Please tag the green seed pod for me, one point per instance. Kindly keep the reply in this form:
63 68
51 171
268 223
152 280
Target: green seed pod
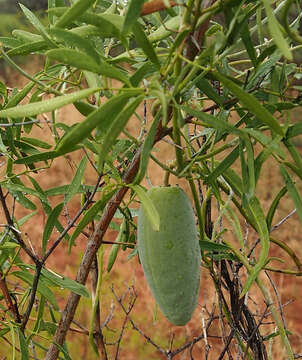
171 256
112 256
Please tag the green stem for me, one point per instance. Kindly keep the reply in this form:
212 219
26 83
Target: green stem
198 209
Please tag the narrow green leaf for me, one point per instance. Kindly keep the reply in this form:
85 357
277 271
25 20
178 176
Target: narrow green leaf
143 72
149 207
46 206
63 189
109 25
17 98
251 103
212 121
292 190
251 167
104 25
83 61
23 189
133 13
116 127
9 42
166 29
266 141
24 201
76 181
9 245
50 224
65 282
261 226
45 106
275 30
224 165
204 86
76 10
42 288
90 214
212 246
23 345
36 142
73 39
84 108
38 157
36 23
105 113
25 218
26 36
272 210
147 147
143 41
29 48
113 255
248 43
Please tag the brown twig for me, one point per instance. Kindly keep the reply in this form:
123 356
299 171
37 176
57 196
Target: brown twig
32 295
134 326
13 308
154 6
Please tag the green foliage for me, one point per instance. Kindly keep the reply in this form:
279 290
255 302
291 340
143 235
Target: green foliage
221 83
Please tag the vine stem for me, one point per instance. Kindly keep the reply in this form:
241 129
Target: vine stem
268 301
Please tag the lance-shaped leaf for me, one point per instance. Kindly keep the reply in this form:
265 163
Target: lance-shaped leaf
275 30
75 40
45 106
76 182
77 9
116 127
261 226
64 282
133 12
50 224
82 61
23 345
273 207
105 113
251 103
24 190
143 41
149 207
292 190
42 287
36 23
147 147
103 25
223 165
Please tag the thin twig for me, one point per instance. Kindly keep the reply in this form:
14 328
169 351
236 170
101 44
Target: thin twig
32 295
278 298
15 231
